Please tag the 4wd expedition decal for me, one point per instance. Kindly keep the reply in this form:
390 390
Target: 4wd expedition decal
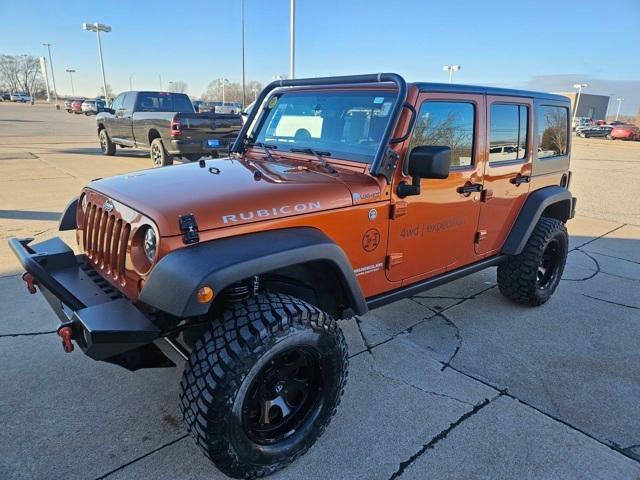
371 240
272 212
420 230
368 269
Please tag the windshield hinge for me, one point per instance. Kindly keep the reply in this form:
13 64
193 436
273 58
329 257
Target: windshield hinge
389 163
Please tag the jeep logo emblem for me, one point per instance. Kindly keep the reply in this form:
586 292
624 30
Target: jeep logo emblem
108 206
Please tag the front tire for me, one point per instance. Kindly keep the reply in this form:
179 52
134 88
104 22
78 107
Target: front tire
531 277
262 384
106 145
159 155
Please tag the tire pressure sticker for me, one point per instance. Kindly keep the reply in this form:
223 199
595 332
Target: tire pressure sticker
371 240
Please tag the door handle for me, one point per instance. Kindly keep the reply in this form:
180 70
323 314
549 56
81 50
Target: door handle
518 179
469 188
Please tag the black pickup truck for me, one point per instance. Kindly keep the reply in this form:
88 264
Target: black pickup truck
166 125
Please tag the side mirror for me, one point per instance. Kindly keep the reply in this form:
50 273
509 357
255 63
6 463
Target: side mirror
426 161
196 108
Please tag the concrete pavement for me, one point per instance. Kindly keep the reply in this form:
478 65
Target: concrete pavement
456 382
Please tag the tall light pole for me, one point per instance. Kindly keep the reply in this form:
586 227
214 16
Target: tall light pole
170 85
222 81
98 27
451 69
71 72
619 100
292 46
131 81
53 77
244 102
579 86
160 78
45 74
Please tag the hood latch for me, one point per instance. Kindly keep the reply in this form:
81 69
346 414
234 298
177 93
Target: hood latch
189 229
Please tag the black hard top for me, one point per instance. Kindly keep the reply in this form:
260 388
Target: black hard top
455 88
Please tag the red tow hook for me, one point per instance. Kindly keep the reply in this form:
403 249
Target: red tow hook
31 282
65 334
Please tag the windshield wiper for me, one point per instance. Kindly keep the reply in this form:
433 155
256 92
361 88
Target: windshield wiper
266 148
319 155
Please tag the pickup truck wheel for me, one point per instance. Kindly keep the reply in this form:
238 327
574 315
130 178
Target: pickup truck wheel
106 145
262 384
531 277
159 155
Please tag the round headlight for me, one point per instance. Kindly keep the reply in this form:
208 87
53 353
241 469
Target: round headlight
150 243
84 202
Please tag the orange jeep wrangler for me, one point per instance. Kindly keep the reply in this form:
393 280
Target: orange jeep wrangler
340 195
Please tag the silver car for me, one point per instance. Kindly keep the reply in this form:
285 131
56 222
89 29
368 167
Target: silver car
92 106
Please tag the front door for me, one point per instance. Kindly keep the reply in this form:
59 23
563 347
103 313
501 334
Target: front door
435 231
507 171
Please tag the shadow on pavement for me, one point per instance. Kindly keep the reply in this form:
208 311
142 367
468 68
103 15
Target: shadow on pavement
29 215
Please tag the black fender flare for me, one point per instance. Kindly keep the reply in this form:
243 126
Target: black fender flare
555 200
172 284
68 218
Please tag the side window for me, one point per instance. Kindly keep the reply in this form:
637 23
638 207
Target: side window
508 133
117 103
127 103
450 124
553 131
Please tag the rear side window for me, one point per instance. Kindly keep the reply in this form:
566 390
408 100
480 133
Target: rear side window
163 102
508 134
553 131
449 124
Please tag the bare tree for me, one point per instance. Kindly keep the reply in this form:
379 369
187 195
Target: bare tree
109 95
178 87
554 137
232 91
20 73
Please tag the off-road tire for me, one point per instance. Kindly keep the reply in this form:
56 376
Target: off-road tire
158 154
225 364
106 145
519 276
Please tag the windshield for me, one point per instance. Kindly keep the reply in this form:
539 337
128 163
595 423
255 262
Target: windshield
345 124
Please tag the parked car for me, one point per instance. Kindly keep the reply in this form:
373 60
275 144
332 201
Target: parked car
625 132
20 97
242 267
67 105
596 131
166 125
93 106
197 105
581 121
76 105
618 122
5 97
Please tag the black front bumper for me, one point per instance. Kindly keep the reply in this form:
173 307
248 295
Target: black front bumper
105 325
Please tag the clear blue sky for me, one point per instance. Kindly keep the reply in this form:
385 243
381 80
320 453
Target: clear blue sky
536 44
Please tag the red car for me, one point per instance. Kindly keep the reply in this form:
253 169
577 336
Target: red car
625 132
76 106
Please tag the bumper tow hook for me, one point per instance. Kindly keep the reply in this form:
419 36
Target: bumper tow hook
31 282
65 334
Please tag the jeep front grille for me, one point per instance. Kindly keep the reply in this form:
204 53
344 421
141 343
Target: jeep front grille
105 237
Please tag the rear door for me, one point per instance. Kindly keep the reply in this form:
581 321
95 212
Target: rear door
507 172
434 231
125 119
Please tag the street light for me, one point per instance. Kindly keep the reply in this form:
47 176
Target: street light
71 72
242 43
278 77
222 81
53 77
131 81
98 27
451 69
292 40
579 86
619 100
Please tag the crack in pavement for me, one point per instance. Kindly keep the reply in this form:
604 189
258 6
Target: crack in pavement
598 238
458 338
617 258
611 445
168 444
439 437
27 334
611 302
577 249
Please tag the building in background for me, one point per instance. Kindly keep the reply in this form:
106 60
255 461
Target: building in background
591 106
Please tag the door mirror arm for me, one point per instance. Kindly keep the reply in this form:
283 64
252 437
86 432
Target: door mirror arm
425 161
406 190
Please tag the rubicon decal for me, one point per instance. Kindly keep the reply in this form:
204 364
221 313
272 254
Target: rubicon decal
265 213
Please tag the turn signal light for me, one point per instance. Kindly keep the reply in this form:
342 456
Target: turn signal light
205 295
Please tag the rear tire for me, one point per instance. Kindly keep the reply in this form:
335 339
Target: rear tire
262 384
531 277
159 155
106 145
